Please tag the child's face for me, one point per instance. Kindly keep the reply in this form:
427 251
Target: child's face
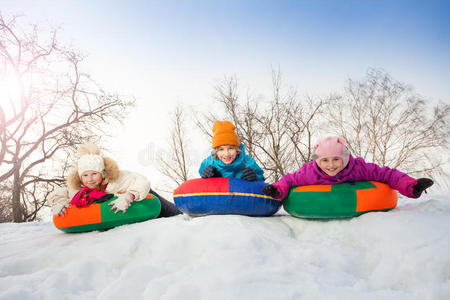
91 179
331 165
226 153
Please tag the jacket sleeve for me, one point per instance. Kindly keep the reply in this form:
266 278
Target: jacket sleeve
140 188
132 182
286 182
206 162
294 179
393 177
405 186
251 163
58 199
57 195
202 167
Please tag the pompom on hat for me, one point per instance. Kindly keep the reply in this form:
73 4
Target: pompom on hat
90 159
331 147
224 134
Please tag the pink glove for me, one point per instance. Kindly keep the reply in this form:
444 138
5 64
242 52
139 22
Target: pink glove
122 202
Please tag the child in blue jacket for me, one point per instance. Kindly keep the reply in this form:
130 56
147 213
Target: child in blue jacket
228 158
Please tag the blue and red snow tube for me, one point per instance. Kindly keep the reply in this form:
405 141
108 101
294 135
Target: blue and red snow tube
218 196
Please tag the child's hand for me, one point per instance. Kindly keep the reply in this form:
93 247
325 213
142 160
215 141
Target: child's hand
209 172
122 202
421 185
60 206
271 191
249 174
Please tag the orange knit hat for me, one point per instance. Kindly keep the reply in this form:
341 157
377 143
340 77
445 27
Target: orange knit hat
223 134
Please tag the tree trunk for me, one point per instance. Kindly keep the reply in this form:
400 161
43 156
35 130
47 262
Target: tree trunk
16 207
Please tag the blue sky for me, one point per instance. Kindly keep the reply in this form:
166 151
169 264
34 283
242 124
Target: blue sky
316 44
166 52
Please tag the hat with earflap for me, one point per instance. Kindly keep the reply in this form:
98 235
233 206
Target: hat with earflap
331 147
224 134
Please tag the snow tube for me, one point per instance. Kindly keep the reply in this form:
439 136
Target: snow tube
217 196
100 217
343 200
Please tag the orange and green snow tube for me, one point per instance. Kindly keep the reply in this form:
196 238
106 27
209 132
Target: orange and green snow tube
100 217
343 200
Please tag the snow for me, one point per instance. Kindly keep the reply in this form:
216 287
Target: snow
401 254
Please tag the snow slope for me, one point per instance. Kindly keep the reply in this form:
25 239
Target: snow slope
401 254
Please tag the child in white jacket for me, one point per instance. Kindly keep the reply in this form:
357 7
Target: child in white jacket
95 175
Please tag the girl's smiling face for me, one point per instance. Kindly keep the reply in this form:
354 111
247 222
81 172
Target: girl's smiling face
331 165
91 179
226 153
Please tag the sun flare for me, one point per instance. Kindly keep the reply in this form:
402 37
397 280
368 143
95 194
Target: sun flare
10 91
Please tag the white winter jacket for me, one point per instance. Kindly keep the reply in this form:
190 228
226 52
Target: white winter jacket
127 181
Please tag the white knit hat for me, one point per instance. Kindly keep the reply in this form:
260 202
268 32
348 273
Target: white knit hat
90 162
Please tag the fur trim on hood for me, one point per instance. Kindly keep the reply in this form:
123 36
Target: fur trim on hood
110 174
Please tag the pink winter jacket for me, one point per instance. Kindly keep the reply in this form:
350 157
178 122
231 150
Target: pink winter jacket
356 170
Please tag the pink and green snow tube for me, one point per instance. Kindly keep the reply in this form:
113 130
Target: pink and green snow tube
100 217
343 200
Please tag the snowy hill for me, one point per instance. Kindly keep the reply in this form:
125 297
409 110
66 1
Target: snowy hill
401 254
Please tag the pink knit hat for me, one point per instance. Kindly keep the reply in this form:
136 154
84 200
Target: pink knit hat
331 146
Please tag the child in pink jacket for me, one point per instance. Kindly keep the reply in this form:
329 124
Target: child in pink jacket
334 164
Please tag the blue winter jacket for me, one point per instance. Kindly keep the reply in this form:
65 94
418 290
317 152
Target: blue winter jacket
233 170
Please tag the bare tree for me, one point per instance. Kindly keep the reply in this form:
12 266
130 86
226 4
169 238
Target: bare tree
5 202
176 165
53 108
382 120
386 123
286 127
277 133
